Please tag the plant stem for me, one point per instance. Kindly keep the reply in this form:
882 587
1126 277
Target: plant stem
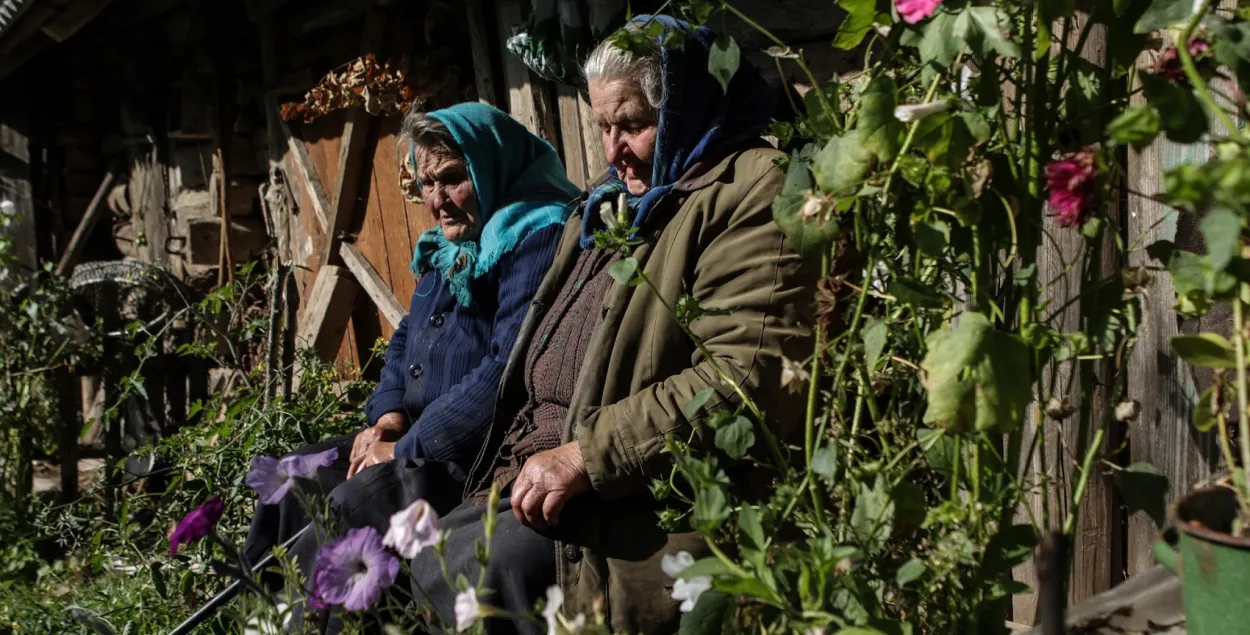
1191 69
1239 349
1087 466
911 136
813 400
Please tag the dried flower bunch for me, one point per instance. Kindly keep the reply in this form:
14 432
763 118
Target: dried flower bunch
382 89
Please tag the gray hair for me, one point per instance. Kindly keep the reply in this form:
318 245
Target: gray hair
429 133
609 61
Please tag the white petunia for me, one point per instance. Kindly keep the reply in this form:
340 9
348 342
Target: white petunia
556 624
412 529
908 113
468 611
686 590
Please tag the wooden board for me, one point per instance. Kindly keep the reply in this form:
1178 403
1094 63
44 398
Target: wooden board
373 284
529 100
479 45
15 186
572 145
327 310
592 139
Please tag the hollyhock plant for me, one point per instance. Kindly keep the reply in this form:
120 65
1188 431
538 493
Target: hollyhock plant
687 590
413 529
1169 62
914 11
354 569
1070 183
196 524
272 478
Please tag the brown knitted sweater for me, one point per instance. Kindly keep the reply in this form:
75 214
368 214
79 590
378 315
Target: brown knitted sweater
553 362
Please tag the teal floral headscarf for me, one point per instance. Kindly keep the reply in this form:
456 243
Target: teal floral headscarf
521 188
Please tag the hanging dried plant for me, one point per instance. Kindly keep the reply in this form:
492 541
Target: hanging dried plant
382 89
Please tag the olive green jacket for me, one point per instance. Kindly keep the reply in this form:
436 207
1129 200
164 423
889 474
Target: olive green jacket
714 238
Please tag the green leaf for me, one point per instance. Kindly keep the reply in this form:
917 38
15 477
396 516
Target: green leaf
877 129
856 25
932 236
1182 116
873 517
914 292
858 630
1137 126
986 32
825 462
746 586
842 164
977 377
1204 415
1144 488
909 572
1207 350
873 332
941 39
909 507
736 438
751 527
710 567
1221 231
1009 547
810 236
692 408
710 508
712 614
1024 275
1162 14
723 60
623 270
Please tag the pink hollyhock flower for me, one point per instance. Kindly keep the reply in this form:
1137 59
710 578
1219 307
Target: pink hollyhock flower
196 524
1169 62
914 11
1070 183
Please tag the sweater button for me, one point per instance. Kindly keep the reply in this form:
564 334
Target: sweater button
572 553
437 320
415 370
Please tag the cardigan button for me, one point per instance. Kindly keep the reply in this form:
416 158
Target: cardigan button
437 320
416 370
572 553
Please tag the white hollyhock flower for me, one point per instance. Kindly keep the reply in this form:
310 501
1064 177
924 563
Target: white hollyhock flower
412 529
686 590
556 624
468 611
908 113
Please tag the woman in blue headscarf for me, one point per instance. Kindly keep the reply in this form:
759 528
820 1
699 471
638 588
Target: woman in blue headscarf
501 200
603 375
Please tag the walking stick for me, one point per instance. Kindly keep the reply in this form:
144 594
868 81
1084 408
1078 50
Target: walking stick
219 600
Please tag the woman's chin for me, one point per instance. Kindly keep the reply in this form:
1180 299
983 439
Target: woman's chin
455 233
636 187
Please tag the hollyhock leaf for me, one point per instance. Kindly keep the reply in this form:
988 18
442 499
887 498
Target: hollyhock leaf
723 60
919 294
1182 116
976 377
909 572
986 32
858 22
751 526
840 167
695 405
1204 415
1161 14
624 270
878 130
810 235
1144 488
825 462
941 39
932 236
736 438
1207 350
1221 232
873 516
1137 126
873 333
710 508
1010 547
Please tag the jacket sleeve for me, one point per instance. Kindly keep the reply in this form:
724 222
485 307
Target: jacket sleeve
453 426
389 394
750 269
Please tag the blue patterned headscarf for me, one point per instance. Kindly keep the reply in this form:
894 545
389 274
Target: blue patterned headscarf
698 121
521 188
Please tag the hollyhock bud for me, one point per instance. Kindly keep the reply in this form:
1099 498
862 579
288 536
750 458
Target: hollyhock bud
1070 183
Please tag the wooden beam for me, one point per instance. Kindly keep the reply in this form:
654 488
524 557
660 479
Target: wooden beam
596 160
330 304
79 240
479 46
373 284
529 100
65 24
304 169
571 135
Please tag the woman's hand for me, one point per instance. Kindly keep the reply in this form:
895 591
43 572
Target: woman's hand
379 452
547 481
389 427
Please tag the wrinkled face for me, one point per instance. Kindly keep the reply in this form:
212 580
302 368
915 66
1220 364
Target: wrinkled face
628 124
448 193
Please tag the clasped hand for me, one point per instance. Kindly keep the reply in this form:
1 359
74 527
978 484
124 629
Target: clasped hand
376 444
547 481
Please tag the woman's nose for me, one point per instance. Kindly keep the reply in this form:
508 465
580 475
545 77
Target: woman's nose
434 198
614 147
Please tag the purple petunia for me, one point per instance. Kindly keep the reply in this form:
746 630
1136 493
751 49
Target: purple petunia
196 524
353 570
272 478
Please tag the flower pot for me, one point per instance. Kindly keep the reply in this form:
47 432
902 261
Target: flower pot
1214 566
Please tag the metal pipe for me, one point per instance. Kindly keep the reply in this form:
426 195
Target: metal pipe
217 601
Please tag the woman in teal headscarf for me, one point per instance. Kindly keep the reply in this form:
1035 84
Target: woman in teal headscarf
501 199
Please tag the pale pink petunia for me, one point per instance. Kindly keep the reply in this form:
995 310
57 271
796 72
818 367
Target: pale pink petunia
914 11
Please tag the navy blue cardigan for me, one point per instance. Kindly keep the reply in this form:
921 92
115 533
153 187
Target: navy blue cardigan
444 362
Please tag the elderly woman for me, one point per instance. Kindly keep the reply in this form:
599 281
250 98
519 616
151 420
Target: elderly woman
501 200
601 371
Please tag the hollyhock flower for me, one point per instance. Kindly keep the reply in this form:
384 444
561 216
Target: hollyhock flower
353 570
1070 183
914 11
468 610
687 590
556 624
272 478
196 524
1169 62
413 529
908 113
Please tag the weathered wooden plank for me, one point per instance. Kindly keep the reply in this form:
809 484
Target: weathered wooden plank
305 173
402 221
78 241
329 305
571 142
479 46
73 17
373 284
15 185
592 139
529 100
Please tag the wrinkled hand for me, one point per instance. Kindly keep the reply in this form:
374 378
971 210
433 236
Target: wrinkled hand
379 452
389 427
547 481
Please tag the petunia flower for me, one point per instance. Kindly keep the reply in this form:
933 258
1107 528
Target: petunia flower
468 610
353 570
1070 182
196 524
556 624
913 11
908 113
412 529
273 478
687 590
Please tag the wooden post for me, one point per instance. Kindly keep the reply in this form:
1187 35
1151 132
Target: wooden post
330 303
571 135
596 161
373 284
479 45
529 100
